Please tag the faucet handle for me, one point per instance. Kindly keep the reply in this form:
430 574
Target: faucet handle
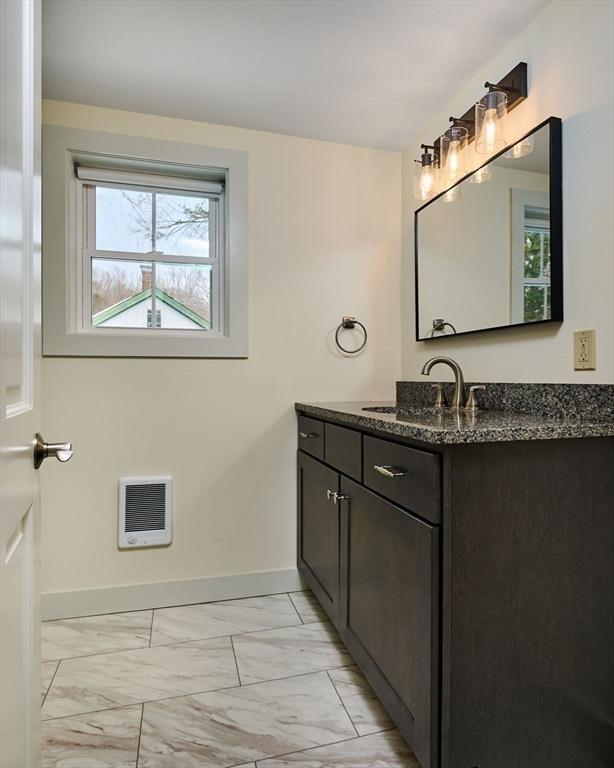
440 400
472 403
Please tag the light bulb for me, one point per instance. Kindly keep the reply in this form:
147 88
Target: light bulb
490 129
453 157
426 184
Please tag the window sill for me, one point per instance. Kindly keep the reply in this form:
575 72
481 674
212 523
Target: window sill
122 343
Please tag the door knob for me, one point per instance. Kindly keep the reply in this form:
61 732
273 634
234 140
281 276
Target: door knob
42 450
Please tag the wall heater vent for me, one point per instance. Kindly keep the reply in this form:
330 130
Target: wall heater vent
145 511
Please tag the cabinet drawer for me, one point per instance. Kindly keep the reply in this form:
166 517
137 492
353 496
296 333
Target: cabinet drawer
406 475
343 450
311 436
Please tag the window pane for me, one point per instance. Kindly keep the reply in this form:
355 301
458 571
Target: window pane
182 225
183 294
534 309
123 220
121 293
532 253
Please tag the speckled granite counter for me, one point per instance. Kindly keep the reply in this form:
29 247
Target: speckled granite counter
446 427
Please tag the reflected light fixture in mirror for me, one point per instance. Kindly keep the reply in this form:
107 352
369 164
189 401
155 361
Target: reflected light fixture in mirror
453 145
481 175
452 194
490 114
521 148
425 178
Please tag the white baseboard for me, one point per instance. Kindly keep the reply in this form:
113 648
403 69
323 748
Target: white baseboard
161 594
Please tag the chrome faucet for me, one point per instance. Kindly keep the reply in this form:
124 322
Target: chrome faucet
458 400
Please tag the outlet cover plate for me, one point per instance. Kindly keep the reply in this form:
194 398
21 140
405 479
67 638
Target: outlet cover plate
584 350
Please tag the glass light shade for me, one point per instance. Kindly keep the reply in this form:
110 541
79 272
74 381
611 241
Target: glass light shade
481 175
453 147
490 114
425 179
521 148
452 194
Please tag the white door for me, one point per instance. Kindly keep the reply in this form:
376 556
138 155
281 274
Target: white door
19 381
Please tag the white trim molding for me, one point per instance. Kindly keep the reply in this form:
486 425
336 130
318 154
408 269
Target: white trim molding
63 336
163 594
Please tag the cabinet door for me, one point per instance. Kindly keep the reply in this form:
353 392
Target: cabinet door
318 530
390 575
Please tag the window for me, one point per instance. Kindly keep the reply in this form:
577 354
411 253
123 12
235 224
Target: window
144 247
150 248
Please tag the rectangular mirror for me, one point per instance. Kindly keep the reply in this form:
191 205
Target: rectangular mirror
489 254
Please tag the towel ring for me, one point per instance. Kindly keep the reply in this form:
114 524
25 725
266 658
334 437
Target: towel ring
440 325
350 323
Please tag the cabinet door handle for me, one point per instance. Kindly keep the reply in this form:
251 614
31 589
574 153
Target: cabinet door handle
330 494
389 471
307 435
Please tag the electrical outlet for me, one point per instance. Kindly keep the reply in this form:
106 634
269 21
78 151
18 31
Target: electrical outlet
585 358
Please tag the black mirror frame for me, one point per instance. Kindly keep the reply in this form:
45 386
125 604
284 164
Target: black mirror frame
556 234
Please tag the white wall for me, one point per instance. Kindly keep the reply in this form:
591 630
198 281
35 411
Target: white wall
569 52
325 233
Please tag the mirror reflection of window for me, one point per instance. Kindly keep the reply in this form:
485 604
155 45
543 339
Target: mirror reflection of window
536 283
530 256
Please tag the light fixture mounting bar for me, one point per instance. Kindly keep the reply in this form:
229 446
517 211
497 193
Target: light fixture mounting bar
514 84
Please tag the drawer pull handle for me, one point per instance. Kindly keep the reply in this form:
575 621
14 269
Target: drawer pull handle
389 471
307 435
336 497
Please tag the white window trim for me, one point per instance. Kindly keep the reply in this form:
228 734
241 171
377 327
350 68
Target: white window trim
67 329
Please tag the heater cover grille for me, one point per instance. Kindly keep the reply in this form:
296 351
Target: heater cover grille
145 508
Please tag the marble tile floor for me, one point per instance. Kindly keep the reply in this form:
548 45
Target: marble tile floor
261 682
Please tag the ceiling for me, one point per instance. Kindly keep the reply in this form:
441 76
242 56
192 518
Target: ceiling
355 71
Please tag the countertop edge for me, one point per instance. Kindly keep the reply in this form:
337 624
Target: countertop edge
566 430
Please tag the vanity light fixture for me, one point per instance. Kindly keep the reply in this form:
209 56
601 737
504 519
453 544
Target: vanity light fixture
490 112
425 185
484 122
453 145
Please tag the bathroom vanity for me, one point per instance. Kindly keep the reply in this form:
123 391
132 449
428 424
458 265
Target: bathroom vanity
467 562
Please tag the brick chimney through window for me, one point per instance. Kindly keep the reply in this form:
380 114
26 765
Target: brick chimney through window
145 277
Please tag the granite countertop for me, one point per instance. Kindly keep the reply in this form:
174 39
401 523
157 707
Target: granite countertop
446 427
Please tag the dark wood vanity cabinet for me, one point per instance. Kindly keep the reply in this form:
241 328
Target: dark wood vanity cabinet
473 586
374 567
